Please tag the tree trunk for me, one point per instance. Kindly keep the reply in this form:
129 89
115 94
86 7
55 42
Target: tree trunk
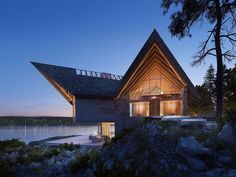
219 74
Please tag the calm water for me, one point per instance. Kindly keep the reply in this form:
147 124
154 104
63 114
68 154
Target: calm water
35 133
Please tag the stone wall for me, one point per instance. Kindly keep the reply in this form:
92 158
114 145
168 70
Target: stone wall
98 110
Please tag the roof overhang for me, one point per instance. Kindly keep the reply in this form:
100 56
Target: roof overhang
66 94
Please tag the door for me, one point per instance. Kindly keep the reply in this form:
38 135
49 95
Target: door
154 107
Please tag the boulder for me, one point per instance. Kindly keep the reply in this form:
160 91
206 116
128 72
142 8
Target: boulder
225 160
196 164
189 146
182 167
219 172
226 134
152 130
69 153
108 163
51 161
13 155
58 164
231 173
89 173
35 165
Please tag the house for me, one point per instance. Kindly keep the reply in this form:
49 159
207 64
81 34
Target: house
154 85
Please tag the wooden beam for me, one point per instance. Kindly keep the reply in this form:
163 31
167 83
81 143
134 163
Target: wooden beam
148 67
145 64
61 90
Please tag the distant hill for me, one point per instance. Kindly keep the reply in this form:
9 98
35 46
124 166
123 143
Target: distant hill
40 120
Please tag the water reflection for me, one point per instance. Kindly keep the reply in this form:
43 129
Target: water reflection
35 133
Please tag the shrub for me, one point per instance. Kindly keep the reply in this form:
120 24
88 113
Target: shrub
22 159
180 132
81 161
6 169
121 135
36 154
11 145
101 170
69 147
117 169
94 156
219 145
204 136
147 120
231 116
52 152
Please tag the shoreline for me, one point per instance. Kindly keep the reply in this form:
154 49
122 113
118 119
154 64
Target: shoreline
53 138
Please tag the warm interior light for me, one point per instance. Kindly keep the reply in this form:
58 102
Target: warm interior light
141 108
153 97
108 129
170 107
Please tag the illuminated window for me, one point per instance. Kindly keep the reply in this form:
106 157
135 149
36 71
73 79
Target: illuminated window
139 109
107 129
170 108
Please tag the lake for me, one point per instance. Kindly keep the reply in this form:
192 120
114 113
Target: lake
35 133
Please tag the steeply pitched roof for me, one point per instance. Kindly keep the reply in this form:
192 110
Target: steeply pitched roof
69 83
157 40
75 84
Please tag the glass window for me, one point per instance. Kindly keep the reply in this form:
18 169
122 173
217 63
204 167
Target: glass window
139 109
170 108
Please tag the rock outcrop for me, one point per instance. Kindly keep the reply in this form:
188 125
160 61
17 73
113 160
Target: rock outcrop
154 149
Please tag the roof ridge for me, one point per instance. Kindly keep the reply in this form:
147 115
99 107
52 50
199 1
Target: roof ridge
46 64
84 72
154 38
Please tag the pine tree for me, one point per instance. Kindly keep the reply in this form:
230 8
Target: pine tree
202 105
210 83
230 89
220 15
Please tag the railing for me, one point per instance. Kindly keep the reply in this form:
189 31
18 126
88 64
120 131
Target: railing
98 74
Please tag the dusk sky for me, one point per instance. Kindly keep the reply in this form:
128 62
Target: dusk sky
98 35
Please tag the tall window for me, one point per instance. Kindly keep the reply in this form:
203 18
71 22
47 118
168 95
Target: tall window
155 84
170 108
139 109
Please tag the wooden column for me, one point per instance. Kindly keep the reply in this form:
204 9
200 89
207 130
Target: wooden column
158 106
185 102
74 108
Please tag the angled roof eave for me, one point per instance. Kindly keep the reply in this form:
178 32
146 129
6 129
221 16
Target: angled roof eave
155 38
70 83
59 88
